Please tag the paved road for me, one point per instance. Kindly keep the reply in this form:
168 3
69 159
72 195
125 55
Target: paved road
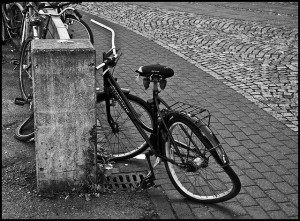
263 149
251 48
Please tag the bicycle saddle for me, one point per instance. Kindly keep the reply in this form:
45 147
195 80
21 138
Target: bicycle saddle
148 70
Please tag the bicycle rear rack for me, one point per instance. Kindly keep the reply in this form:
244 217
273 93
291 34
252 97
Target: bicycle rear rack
193 111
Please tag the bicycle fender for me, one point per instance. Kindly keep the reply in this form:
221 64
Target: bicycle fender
217 150
19 5
207 133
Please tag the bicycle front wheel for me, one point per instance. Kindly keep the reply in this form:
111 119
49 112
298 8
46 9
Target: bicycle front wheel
122 139
25 131
25 70
78 29
202 179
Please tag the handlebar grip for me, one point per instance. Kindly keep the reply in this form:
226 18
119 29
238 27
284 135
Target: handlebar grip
108 61
63 4
51 5
42 5
77 14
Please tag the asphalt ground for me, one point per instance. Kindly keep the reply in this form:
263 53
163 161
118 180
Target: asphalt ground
263 149
224 78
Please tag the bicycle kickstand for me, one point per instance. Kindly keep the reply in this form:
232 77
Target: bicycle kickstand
148 181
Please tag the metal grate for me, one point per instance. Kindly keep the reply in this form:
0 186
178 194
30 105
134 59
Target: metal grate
124 180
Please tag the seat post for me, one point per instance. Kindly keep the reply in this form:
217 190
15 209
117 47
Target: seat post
155 87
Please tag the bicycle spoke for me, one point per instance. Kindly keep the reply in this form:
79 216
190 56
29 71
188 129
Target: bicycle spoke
124 141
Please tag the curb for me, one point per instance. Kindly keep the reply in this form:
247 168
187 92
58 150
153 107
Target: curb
156 193
163 207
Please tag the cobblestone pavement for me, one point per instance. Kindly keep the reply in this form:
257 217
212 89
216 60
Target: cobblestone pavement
262 150
258 60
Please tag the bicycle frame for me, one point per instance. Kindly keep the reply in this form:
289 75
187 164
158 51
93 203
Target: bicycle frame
159 127
160 132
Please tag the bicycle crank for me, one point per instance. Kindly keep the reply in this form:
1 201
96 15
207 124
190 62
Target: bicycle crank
148 181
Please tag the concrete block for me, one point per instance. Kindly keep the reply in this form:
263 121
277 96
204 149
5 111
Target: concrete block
64 109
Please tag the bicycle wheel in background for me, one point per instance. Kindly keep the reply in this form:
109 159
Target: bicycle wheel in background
25 70
16 18
25 131
78 29
4 34
204 180
126 142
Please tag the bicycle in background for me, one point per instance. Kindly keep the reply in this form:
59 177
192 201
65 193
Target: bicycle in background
11 22
36 26
36 20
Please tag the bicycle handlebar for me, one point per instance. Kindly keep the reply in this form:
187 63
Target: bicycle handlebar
113 47
41 6
54 14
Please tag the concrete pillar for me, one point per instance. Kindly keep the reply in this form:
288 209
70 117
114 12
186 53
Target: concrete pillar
64 110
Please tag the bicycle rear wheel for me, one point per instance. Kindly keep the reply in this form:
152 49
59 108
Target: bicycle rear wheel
203 180
78 29
125 142
25 131
25 70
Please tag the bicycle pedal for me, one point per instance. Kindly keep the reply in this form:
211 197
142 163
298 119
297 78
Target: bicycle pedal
31 139
101 159
16 62
20 101
146 185
147 182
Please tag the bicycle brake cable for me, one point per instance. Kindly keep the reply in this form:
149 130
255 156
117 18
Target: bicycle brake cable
116 61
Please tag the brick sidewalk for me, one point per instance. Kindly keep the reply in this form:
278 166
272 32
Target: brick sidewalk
262 150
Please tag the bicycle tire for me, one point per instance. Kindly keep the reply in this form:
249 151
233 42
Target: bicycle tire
4 34
25 70
25 131
77 28
209 182
127 142
5 12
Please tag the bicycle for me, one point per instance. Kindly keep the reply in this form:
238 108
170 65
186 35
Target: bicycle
11 22
195 161
34 27
70 17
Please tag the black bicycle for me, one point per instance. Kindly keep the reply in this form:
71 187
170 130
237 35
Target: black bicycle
194 159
